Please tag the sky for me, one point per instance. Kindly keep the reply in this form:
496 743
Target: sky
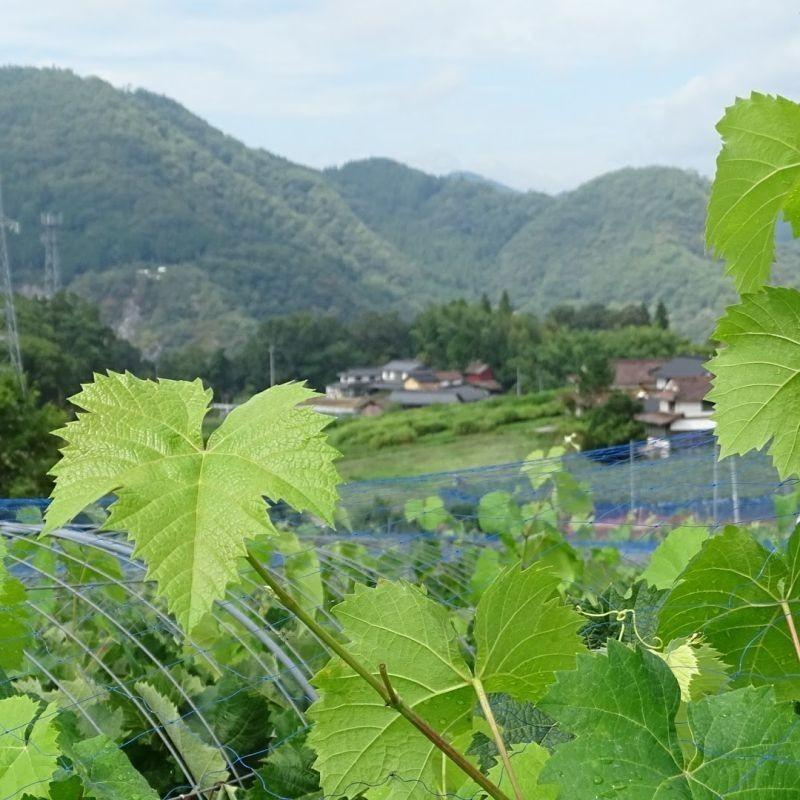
536 95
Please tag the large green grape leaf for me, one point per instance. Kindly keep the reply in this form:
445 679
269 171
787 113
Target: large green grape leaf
621 708
758 170
190 507
756 389
360 742
735 593
524 633
106 772
673 554
28 748
205 763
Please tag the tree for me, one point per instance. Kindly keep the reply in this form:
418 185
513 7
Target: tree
64 342
612 422
661 316
595 374
28 449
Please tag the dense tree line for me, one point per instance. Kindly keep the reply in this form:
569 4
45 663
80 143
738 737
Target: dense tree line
541 353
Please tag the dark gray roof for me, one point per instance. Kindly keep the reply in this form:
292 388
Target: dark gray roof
404 398
403 365
469 394
455 394
682 367
362 371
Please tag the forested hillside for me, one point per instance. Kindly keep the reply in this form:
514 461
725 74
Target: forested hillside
142 182
186 236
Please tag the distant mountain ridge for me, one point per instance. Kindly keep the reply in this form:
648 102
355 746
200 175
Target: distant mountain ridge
242 234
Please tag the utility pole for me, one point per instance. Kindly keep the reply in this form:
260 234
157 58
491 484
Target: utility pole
52 266
12 336
271 364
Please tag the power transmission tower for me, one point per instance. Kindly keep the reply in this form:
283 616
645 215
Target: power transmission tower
12 337
52 266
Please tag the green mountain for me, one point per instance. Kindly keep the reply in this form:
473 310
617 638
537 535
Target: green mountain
183 234
142 184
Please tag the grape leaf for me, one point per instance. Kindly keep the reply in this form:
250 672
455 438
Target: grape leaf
622 706
288 772
487 568
205 763
15 630
524 633
28 748
106 772
758 170
520 723
143 441
359 741
696 666
756 388
429 513
672 555
735 593
527 760
499 514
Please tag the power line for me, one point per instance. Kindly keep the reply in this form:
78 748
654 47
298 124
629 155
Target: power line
52 266
12 335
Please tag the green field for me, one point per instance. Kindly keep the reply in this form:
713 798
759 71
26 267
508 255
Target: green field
440 438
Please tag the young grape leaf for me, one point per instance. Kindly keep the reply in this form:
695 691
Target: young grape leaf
622 706
736 593
28 748
142 440
359 741
499 514
429 513
524 633
206 764
672 555
696 666
756 390
528 760
106 772
758 170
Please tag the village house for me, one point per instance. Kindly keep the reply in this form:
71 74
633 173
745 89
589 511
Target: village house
453 394
678 404
480 374
635 376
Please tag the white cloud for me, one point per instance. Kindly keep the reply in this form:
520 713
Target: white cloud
542 94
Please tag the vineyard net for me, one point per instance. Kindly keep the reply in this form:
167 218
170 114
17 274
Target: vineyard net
100 646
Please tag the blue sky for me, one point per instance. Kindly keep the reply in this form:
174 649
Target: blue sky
538 95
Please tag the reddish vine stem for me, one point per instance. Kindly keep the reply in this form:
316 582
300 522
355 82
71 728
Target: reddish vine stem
382 686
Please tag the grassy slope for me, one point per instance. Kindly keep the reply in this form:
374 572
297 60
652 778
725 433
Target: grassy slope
436 439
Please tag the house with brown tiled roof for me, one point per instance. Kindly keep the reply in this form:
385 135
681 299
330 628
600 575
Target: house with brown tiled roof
635 375
679 406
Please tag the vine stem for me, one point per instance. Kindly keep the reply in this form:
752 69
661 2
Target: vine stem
497 736
381 685
787 613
